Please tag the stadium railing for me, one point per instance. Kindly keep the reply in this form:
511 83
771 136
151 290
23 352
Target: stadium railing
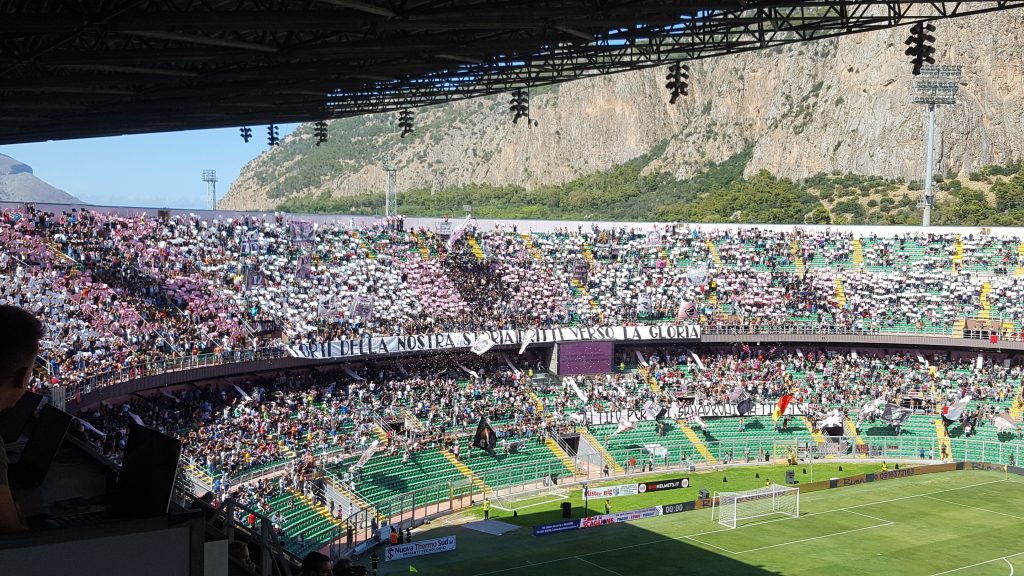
415 507
174 365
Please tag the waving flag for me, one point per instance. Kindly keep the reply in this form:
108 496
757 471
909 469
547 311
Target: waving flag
624 424
780 408
1004 421
687 311
367 454
481 345
459 232
893 414
528 339
952 413
485 438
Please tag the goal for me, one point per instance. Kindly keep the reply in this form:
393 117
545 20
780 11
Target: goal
733 507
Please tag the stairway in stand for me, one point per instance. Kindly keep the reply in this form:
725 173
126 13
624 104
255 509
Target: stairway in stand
1019 271
697 442
465 471
587 254
599 448
819 438
474 246
1018 403
715 257
424 250
984 304
850 429
366 246
561 455
943 436
840 293
958 256
530 247
585 294
645 372
958 327
321 510
798 261
858 254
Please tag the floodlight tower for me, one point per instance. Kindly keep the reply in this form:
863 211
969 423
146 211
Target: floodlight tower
210 177
935 86
390 194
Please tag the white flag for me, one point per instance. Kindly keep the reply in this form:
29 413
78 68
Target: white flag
624 424
482 344
136 418
367 454
528 339
242 393
468 371
353 374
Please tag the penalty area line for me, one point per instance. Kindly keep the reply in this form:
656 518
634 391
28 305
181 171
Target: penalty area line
598 566
691 536
1004 558
883 525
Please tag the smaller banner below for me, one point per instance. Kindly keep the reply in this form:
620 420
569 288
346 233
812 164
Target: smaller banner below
422 548
545 529
673 484
613 491
620 517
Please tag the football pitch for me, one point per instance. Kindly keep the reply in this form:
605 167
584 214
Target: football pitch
963 523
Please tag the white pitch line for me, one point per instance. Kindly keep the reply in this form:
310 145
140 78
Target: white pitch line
607 569
710 545
661 540
976 507
1006 558
867 516
815 538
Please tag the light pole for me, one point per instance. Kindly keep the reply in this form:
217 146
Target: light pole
936 85
210 177
390 194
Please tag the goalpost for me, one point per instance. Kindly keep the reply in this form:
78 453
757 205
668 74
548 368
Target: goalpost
733 507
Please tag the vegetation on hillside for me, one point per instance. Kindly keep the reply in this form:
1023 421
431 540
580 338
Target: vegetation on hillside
717 193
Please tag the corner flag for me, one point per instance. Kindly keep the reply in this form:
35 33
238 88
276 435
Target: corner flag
780 408
413 570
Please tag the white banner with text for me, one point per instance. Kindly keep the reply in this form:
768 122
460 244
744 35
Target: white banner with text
384 345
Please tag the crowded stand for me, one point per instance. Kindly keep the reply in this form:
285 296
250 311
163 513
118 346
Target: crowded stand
125 290
308 448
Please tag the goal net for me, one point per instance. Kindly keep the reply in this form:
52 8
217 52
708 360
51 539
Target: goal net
733 507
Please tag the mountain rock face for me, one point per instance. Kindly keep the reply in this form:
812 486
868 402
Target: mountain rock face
831 105
19 184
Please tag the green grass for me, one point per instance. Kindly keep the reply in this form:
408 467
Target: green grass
970 522
729 480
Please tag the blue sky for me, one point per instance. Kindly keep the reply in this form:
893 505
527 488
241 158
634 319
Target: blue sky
152 170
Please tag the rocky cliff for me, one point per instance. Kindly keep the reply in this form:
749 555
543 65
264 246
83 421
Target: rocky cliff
832 105
19 184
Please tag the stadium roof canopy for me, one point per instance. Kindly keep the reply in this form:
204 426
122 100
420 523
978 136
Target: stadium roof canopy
81 68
